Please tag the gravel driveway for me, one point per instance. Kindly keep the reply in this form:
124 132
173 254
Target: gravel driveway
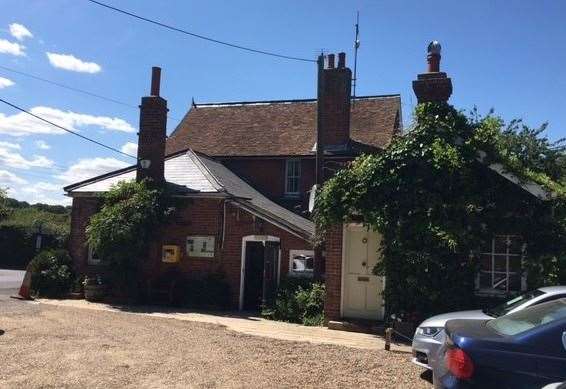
49 346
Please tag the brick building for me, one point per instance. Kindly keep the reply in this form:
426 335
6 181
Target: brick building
246 171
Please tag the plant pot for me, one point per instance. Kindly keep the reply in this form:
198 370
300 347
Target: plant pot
95 292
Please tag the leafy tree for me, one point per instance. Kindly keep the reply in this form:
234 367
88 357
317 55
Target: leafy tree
3 207
436 203
121 231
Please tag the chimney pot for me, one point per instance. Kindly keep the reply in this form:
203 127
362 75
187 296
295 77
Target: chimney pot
341 60
155 80
330 61
433 86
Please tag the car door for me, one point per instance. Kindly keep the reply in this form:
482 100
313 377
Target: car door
551 358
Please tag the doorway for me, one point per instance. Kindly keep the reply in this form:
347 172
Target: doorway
260 271
253 285
361 294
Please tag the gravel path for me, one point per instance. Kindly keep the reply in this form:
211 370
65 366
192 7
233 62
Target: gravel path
47 346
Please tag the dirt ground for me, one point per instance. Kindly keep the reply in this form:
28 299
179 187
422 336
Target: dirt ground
48 346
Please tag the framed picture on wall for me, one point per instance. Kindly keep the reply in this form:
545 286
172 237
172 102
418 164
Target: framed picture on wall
200 246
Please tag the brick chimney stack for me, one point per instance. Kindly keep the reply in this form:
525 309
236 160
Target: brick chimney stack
152 134
334 100
433 86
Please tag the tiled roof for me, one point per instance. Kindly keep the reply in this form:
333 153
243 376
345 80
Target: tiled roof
278 128
197 174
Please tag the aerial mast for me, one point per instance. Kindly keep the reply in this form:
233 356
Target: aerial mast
356 46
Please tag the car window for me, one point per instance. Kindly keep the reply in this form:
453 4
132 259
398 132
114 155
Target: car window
508 306
551 298
526 319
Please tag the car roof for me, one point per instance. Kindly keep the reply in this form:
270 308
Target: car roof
553 289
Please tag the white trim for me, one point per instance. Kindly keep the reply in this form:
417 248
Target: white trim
254 238
305 274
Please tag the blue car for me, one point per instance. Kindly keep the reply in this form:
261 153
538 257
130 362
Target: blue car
525 349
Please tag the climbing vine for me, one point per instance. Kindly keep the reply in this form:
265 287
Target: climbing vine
121 230
433 197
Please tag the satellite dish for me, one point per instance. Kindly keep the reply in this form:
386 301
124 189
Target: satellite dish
312 197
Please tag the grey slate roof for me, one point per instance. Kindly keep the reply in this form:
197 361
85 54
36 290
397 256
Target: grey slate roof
197 174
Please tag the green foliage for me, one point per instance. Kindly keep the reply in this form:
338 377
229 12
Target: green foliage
33 218
3 206
436 205
126 223
298 300
51 273
21 223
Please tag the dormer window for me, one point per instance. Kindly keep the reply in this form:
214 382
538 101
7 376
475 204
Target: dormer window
292 177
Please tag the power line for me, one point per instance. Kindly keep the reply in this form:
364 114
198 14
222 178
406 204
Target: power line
71 88
176 29
66 129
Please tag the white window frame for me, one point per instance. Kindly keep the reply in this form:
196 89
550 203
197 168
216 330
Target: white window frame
500 256
92 260
288 192
306 273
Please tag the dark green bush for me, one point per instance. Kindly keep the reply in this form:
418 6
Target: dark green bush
51 273
298 300
208 291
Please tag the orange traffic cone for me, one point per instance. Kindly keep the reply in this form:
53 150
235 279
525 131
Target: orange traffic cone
25 289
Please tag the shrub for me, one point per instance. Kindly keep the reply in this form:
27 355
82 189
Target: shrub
51 273
298 300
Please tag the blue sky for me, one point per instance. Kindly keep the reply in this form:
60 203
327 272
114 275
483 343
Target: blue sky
507 55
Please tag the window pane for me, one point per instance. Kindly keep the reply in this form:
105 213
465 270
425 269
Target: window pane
293 170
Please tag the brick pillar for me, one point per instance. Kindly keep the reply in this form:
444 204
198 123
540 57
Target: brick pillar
152 134
333 273
433 86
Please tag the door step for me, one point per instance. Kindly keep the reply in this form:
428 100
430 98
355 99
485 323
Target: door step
364 326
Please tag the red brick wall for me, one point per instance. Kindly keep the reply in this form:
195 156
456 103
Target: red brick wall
83 208
333 273
197 217
267 175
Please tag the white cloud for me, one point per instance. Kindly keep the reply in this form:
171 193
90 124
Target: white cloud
5 82
20 32
41 192
8 178
16 160
13 48
22 124
72 63
41 144
130 148
10 145
89 168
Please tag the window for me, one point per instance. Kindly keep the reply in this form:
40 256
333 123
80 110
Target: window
500 265
93 258
292 177
301 262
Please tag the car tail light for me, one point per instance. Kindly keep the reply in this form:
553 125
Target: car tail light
459 363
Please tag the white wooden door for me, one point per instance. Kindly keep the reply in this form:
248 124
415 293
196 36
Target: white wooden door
362 289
